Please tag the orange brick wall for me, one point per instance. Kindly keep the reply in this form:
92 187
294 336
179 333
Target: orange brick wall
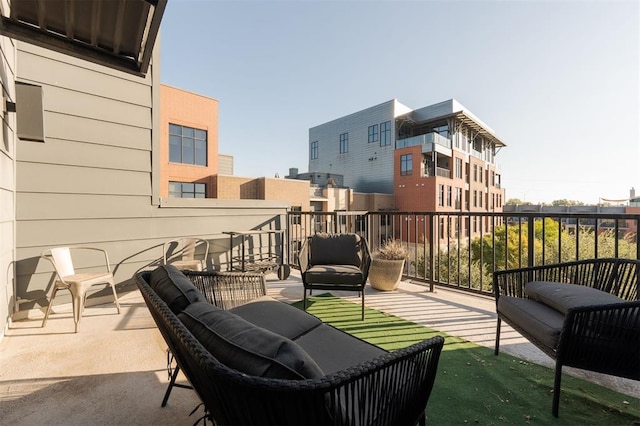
193 110
296 192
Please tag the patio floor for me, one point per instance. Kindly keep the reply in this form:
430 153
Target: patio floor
113 371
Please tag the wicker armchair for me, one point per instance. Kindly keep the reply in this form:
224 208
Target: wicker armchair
391 389
226 290
334 262
603 337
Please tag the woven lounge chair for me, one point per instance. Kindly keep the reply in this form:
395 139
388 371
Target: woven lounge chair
338 262
583 314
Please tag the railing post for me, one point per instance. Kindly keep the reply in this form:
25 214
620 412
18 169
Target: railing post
431 253
531 240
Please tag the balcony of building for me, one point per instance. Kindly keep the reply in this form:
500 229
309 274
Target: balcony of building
113 371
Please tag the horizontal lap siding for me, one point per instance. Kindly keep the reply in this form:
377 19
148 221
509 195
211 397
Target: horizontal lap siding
90 183
7 181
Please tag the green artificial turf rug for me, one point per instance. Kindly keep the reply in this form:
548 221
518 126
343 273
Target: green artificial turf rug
473 386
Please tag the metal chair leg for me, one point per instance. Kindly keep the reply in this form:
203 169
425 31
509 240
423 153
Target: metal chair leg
556 390
497 348
46 314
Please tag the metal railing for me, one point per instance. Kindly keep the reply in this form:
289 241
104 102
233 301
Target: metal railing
462 249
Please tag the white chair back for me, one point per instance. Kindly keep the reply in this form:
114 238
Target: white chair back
62 261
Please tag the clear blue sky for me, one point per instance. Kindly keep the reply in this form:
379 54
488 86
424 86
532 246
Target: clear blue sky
558 81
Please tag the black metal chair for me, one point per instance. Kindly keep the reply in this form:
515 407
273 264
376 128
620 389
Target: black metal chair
597 332
334 262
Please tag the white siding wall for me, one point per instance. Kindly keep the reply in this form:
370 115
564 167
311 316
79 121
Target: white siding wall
360 173
7 183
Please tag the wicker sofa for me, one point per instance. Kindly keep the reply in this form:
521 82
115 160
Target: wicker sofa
583 314
267 362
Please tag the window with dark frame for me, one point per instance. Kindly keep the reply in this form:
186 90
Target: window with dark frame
313 150
385 133
187 190
187 145
344 143
373 133
406 164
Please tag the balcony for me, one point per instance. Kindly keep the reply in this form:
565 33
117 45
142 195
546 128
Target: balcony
113 371
429 142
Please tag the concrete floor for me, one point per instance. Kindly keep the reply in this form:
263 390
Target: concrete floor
113 371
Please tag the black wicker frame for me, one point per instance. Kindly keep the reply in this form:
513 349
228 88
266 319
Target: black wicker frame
303 263
225 290
589 332
392 389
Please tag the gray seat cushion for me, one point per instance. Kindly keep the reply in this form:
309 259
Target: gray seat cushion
335 249
280 318
541 321
246 347
334 350
563 297
174 288
334 274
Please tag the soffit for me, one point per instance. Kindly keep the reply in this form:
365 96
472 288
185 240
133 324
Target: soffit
119 34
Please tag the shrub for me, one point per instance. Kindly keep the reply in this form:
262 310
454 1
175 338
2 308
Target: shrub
392 250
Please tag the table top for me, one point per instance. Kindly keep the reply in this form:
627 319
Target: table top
255 232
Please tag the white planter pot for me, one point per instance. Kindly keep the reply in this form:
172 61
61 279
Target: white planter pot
385 274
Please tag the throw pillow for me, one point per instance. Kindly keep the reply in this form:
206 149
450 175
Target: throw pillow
174 288
335 249
245 347
563 297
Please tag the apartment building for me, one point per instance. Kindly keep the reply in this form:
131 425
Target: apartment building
188 143
439 158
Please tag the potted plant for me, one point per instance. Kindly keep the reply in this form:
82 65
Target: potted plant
387 265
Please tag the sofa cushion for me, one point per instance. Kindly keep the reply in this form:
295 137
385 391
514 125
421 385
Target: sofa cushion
539 320
334 274
174 288
246 347
563 297
335 249
280 318
334 350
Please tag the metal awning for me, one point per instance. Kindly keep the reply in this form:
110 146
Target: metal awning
119 34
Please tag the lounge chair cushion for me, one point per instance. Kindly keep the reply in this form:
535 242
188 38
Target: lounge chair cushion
335 249
280 318
563 297
174 288
540 320
246 347
334 274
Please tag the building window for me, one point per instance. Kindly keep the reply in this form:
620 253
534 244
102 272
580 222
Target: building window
441 195
385 133
458 198
373 133
475 172
313 150
475 198
458 170
480 173
449 196
406 164
187 145
187 190
344 143
296 216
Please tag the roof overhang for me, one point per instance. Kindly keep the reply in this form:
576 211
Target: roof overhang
119 34
470 122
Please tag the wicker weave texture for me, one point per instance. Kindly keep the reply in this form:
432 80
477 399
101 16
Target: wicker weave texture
391 389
